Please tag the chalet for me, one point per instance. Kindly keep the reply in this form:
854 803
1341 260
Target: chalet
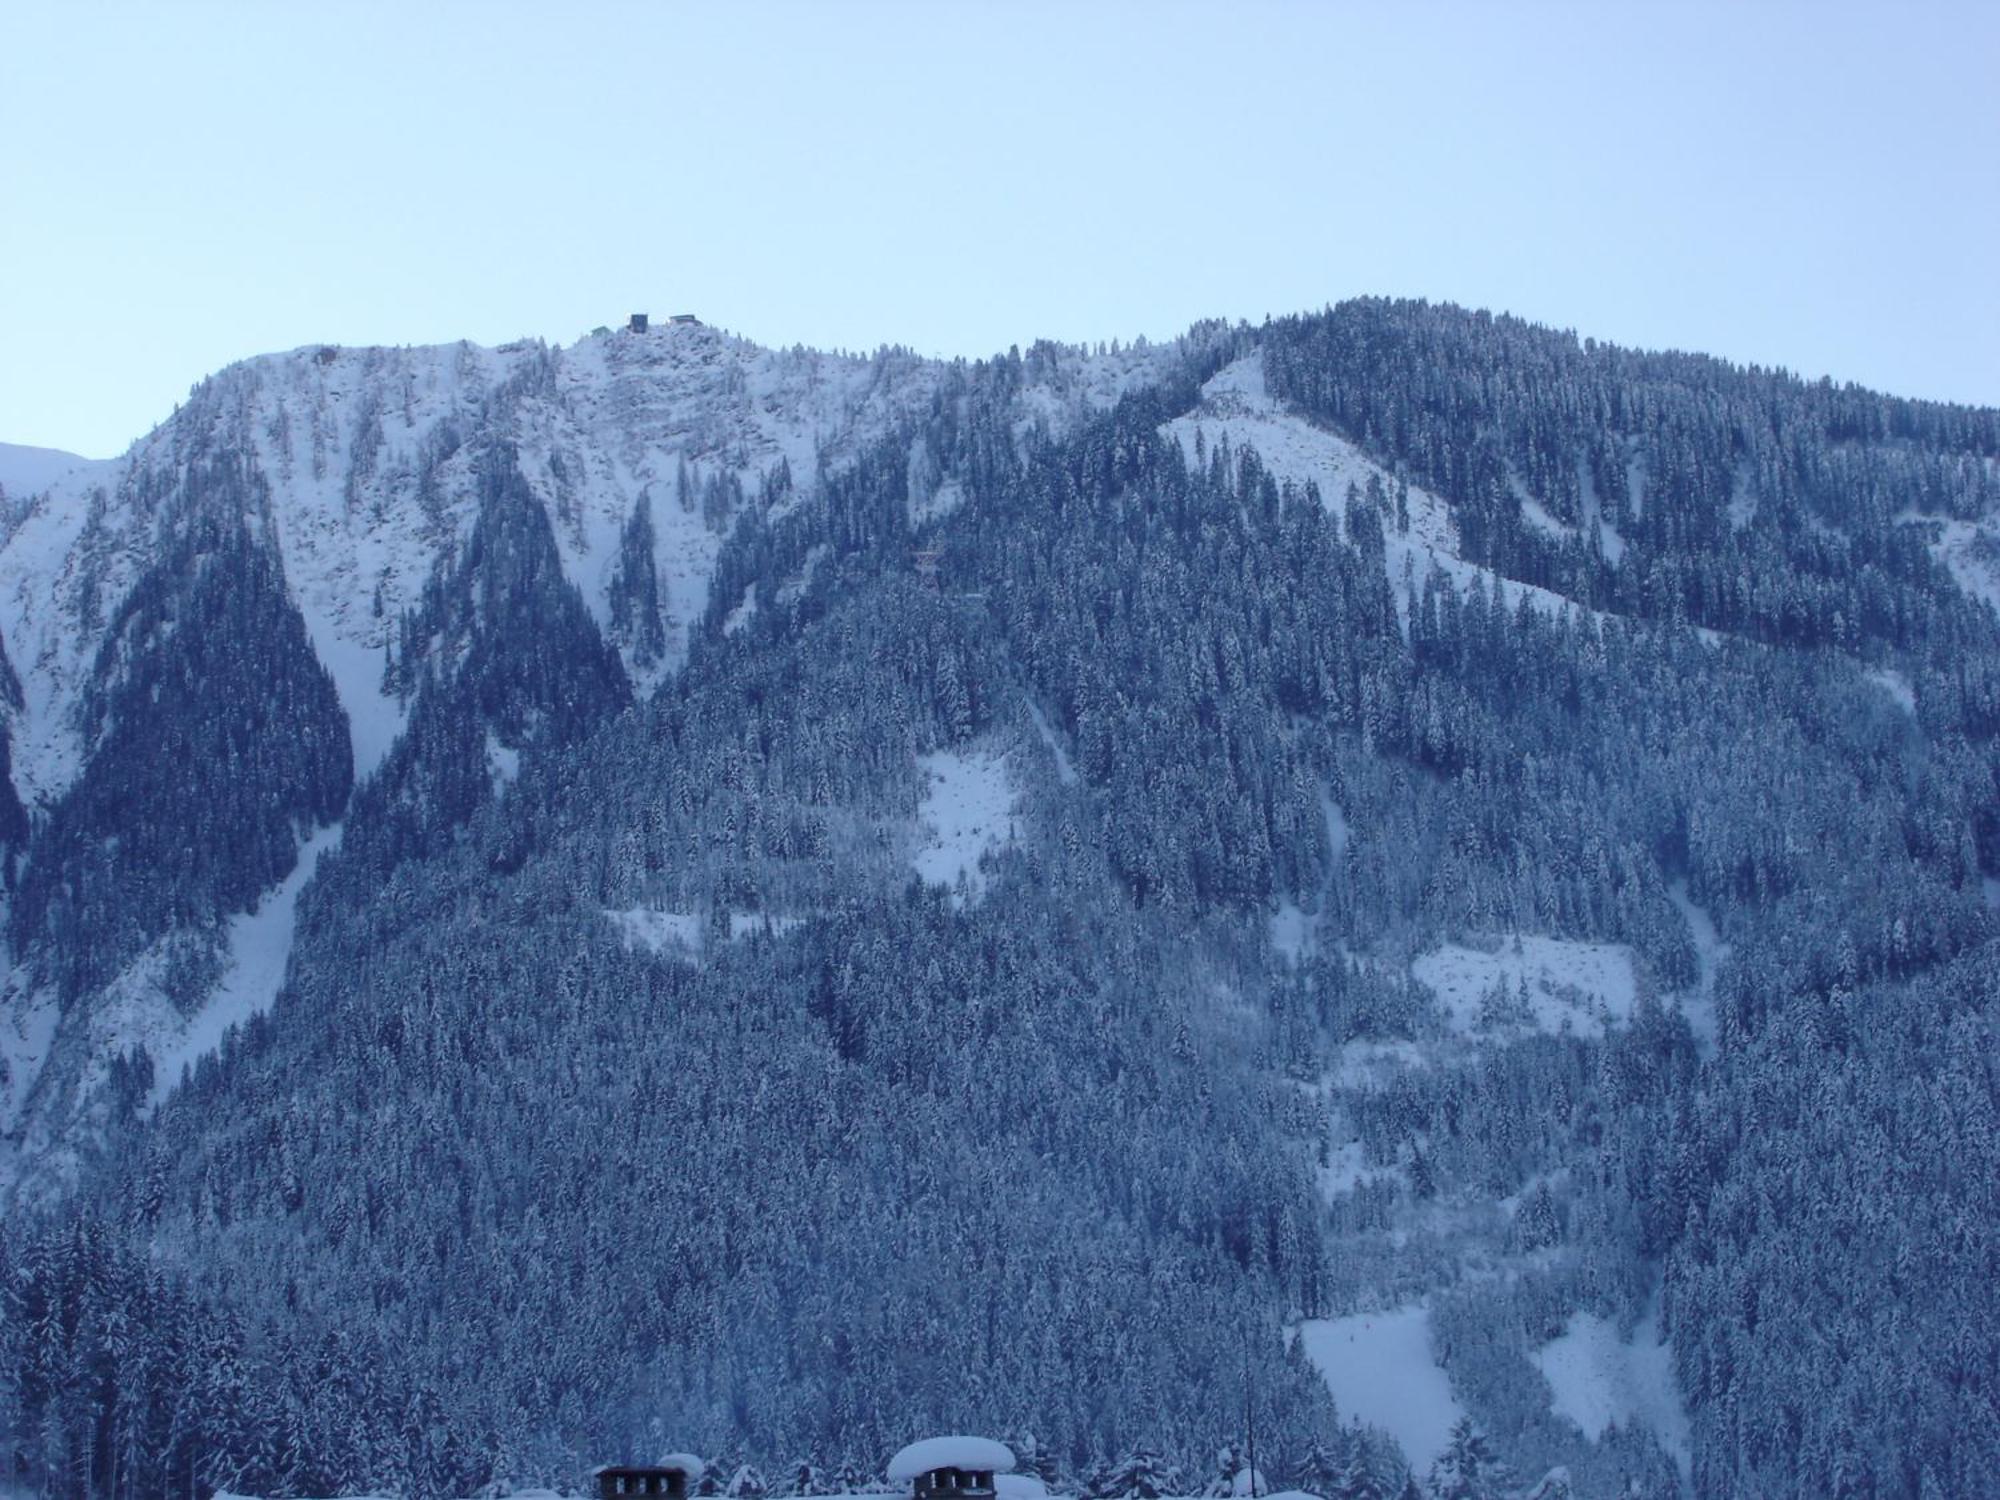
672 1478
951 1468
687 320
639 323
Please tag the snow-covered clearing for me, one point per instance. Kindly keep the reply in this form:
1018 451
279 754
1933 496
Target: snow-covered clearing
1571 986
1596 1378
966 813
1970 552
1709 952
1374 1065
1897 686
1294 932
743 613
1065 772
1537 515
1381 1371
660 931
683 934
1348 1169
503 761
1236 408
260 945
27 1030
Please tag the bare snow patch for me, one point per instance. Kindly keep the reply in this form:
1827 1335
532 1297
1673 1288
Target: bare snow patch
1236 409
1537 515
744 924
1292 931
1597 1379
1552 984
685 934
1375 1064
1065 772
1347 1168
1381 1371
1970 552
27 1031
260 945
966 814
1897 686
675 932
948 496
744 612
1709 952
503 762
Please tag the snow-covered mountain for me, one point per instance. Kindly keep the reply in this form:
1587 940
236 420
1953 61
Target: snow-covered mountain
671 888
360 468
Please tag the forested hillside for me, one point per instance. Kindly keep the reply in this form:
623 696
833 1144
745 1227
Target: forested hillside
1039 896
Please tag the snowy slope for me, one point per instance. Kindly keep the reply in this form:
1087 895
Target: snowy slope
1597 1378
369 456
26 471
365 467
966 814
1381 1370
1236 409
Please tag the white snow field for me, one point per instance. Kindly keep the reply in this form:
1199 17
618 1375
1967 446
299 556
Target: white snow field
684 934
1380 1369
260 944
1597 1378
26 470
1236 408
966 813
1709 952
1573 986
1970 552
1896 685
676 933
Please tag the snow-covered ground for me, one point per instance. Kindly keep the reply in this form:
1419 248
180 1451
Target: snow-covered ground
684 934
1065 772
1709 952
966 813
26 470
1347 1169
672 932
1381 1371
1295 932
1570 986
260 945
138 1009
1236 408
1970 552
27 1030
1597 1378
1896 685
1373 1064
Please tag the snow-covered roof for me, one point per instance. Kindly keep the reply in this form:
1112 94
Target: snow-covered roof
950 1453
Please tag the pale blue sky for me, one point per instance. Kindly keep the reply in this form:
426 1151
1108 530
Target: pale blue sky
1816 186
